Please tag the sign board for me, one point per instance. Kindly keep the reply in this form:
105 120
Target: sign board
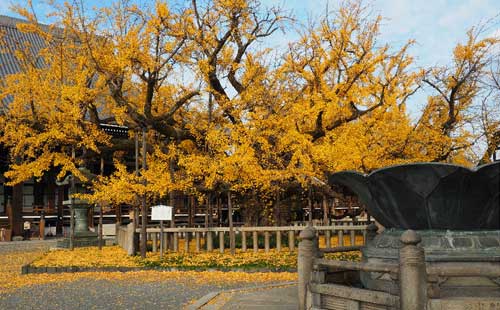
161 213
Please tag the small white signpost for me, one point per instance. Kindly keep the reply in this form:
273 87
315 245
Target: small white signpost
161 213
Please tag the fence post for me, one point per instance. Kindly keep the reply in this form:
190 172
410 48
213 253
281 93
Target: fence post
176 242
255 242
210 242
328 238
186 241
197 240
291 240
278 241
154 241
305 263
412 273
221 241
266 241
243 241
340 237
132 239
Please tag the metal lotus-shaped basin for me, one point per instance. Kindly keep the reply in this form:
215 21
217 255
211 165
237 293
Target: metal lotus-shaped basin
429 195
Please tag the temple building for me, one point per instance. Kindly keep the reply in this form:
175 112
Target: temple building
33 200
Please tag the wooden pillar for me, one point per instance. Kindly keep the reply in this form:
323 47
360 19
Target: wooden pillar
340 235
42 226
255 241
353 237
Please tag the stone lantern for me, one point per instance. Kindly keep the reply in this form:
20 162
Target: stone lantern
83 236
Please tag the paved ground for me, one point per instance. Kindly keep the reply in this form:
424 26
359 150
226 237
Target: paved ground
85 293
276 298
101 294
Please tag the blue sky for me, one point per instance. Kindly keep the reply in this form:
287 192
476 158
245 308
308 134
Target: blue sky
437 25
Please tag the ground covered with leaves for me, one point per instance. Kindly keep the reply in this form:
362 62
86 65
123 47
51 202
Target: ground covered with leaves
111 290
114 256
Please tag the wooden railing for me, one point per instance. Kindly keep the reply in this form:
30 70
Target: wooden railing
183 238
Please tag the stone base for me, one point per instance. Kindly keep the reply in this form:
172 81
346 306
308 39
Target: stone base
464 304
82 239
440 247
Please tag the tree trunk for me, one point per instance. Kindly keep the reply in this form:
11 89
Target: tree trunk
232 245
100 210
144 211
72 210
135 218
219 211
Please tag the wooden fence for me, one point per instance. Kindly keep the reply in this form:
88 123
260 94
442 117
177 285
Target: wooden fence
181 238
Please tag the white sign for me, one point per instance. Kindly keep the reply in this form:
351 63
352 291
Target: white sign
161 213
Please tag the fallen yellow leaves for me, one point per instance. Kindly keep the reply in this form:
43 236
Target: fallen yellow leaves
112 256
11 279
273 260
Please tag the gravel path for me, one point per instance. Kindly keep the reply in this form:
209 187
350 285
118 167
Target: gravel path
101 294
77 292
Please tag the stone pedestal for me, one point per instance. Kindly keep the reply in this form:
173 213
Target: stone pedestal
83 236
441 247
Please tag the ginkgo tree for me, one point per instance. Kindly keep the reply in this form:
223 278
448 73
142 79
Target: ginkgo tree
219 112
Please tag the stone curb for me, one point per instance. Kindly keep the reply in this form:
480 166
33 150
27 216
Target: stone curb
28 269
213 295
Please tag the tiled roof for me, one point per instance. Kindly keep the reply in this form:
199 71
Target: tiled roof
13 39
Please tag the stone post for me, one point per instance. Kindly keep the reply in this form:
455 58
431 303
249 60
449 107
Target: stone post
176 241
186 242
305 263
221 242
243 241
210 244
155 242
255 242
266 241
291 240
412 273
278 240
131 238
197 241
